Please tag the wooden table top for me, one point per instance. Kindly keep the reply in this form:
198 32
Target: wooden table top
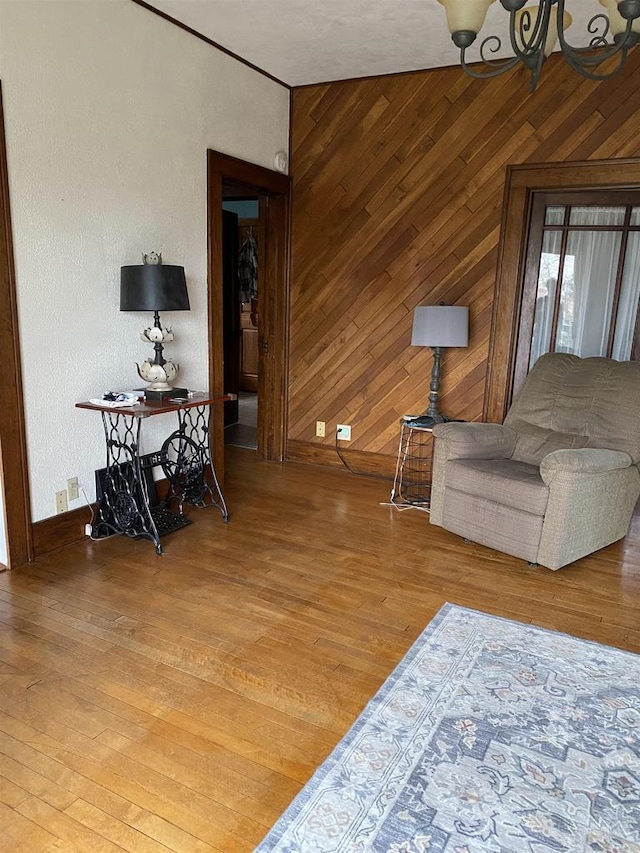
148 408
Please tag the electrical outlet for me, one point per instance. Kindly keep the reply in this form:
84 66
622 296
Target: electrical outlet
343 432
320 429
73 489
61 501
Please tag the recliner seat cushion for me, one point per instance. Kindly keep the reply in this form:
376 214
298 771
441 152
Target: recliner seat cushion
503 481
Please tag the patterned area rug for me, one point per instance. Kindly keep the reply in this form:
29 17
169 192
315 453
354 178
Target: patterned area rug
489 737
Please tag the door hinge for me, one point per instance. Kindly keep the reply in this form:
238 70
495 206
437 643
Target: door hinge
264 346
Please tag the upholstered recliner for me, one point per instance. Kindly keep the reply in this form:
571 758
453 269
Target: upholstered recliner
559 479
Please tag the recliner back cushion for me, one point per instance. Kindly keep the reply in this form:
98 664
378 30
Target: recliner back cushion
571 402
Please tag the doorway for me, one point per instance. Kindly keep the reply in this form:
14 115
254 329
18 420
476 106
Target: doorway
242 245
517 283
229 178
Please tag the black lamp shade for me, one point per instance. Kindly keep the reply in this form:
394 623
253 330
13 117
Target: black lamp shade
153 287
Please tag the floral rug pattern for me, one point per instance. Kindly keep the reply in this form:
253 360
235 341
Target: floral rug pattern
489 737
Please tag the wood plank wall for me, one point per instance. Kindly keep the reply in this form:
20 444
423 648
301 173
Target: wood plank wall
397 196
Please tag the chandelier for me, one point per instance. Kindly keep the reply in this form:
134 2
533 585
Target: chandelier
534 32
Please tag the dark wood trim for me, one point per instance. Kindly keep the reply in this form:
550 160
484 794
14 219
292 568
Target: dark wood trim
528 306
591 198
410 73
557 297
13 444
362 461
214 310
206 39
275 187
623 173
273 329
521 183
364 78
60 530
615 307
504 322
244 173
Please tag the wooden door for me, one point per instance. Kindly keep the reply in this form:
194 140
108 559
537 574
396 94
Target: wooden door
13 450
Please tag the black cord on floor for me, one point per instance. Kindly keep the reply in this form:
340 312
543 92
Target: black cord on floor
359 473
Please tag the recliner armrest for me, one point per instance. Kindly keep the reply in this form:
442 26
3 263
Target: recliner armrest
476 441
585 460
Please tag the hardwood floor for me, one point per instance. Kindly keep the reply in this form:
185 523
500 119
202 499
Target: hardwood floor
178 703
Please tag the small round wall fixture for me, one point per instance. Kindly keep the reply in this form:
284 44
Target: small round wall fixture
281 161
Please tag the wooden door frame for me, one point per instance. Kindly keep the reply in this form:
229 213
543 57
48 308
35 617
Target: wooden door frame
13 444
224 169
521 184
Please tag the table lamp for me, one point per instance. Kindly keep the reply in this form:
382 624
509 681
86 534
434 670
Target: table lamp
438 327
155 287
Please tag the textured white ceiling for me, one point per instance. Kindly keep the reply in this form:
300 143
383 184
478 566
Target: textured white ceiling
314 41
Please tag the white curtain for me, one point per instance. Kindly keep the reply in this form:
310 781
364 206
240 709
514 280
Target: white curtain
546 296
587 296
629 296
587 287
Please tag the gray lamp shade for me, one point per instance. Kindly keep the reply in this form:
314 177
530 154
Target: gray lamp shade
440 326
153 287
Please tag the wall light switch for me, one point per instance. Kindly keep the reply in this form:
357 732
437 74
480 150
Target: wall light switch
73 489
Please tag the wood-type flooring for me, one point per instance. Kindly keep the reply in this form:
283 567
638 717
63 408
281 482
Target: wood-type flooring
178 703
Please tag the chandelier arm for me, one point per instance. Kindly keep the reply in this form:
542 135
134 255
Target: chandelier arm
535 66
582 69
533 44
599 39
492 44
577 56
496 68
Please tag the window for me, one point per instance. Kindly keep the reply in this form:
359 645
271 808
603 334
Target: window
595 183
582 276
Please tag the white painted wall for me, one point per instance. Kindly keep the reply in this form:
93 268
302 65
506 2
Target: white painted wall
109 111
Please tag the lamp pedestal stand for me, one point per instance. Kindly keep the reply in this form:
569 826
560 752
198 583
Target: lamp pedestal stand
434 388
159 336
160 372
432 416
